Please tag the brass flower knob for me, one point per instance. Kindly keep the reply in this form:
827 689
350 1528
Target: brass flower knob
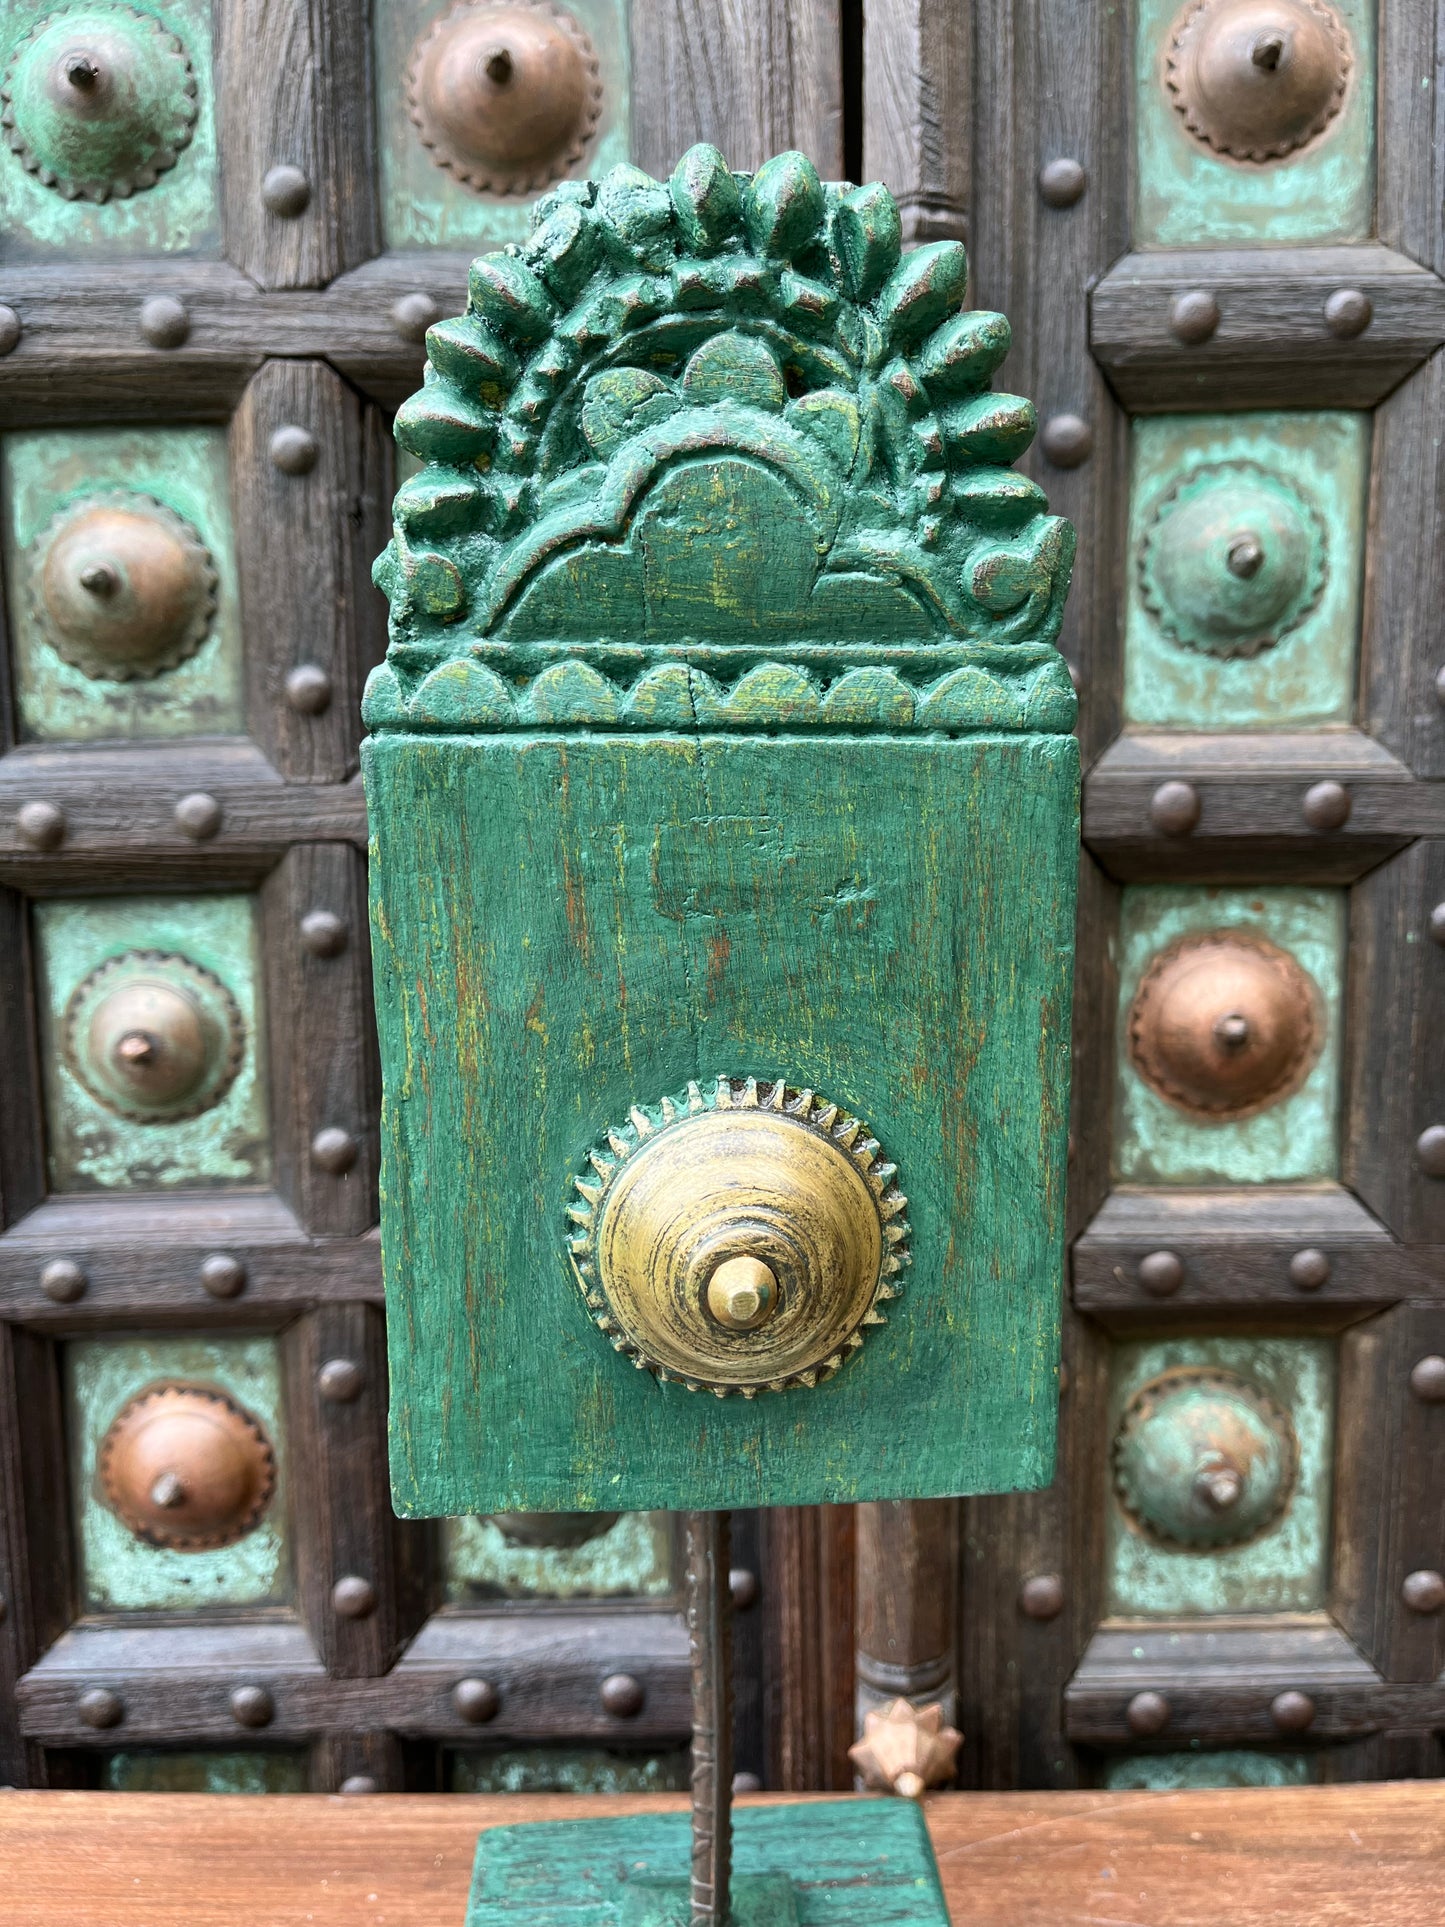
153 1036
1224 1023
98 100
505 94
906 1749
123 587
738 1239
187 1468
1204 1458
1258 79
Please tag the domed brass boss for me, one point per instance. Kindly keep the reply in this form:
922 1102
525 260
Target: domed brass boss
738 1238
98 101
122 587
505 94
186 1467
1204 1457
153 1036
1224 1023
1258 79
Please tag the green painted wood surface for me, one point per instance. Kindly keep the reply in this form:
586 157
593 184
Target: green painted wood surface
566 926
1293 1140
568 1769
121 1573
44 471
90 1147
850 1862
631 1560
1187 195
1318 460
1230 1766
1285 1568
147 1770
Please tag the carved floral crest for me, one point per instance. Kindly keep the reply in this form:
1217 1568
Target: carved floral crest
715 453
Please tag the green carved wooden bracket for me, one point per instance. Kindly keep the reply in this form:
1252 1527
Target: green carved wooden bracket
724 834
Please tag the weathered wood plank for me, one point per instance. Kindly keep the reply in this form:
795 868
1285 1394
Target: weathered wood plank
917 74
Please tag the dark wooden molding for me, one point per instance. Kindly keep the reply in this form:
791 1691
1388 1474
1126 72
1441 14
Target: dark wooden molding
1251 790
175 1681
917 82
809 1610
22 1129
1220 1679
37 1581
1272 347
1236 1246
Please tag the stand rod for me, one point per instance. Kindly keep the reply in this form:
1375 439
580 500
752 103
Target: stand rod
709 1626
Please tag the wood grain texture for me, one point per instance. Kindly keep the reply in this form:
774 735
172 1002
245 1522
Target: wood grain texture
754 77
1012 1669
907 1602
1220 1678
1272 347
337 1534
37 1582
1236 1248
293 88
675 949
22 1142
547 1665
1389 1492
917 74
119 804
1046 81
809 1618
323 1068
1401 651
1394 1077
332 520
1278 1857
142 1260
1410 131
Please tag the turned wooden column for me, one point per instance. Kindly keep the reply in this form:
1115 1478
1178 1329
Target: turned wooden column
907 1603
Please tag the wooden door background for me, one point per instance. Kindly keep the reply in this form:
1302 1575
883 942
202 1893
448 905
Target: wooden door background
228 343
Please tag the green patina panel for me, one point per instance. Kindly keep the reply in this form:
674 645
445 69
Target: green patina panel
121 1572
1230 1766
1283 494
167 48
1284 1566
91 1147
584 922
1295 1138
631 1559
158 1771
427 205
48 472
568 1769
1189 193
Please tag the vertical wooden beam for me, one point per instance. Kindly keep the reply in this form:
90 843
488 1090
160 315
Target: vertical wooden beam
358 1763
311 482
37 1581
293 91
752 76
917 73
324 1077
907 1603
808 1604
1390 1490
1395 1018
22 1118
361 1572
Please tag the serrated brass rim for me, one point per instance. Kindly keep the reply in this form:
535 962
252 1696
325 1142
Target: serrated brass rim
1177 83
1196 482
508 181
170 144
1215 1378
133 963
803 1107
155 1395
94 663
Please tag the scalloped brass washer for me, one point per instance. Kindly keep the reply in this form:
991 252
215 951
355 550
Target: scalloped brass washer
739 1240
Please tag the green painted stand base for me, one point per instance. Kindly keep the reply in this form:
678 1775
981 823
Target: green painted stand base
837 1863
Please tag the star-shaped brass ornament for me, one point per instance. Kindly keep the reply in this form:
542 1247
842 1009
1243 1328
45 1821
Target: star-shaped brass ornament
906 1749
